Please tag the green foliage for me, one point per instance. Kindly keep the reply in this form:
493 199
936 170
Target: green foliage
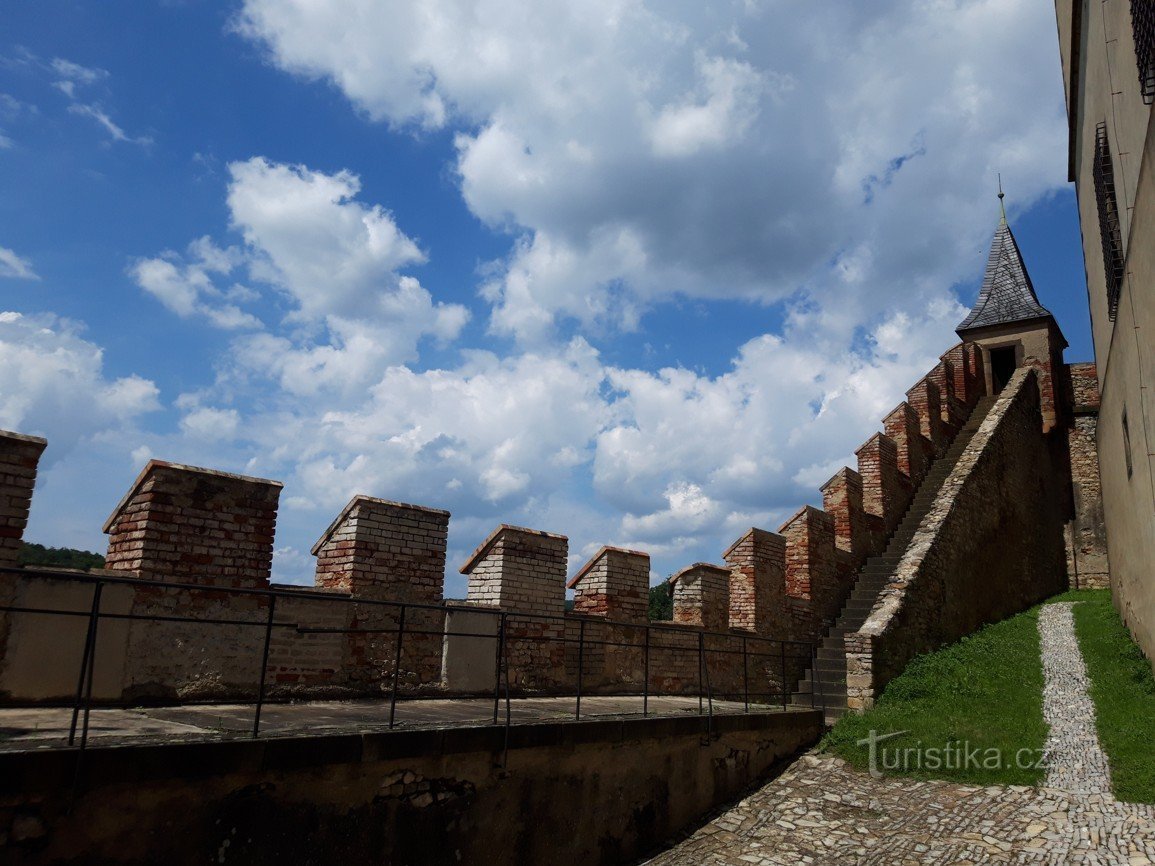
1123 691
661 602
58 557
983 694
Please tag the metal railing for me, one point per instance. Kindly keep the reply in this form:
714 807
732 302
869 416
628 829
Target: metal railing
654 641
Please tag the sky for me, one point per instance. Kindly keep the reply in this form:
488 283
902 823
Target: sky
643 274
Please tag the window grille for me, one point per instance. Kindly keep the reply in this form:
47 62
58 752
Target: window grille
1104 173
1143 28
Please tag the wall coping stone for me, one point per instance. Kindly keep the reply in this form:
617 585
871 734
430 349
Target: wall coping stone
24 437
606 548
164 464
756 532
699 566
484 547
370 500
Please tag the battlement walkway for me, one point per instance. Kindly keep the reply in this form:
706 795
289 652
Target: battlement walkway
45 728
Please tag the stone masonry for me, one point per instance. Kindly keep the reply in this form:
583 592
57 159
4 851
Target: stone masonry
958 572
194 525
1087 565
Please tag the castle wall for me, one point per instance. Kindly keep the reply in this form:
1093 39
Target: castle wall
1086 535
991 546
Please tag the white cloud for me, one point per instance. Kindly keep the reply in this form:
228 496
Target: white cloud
731 150
14 266
55 383
98 114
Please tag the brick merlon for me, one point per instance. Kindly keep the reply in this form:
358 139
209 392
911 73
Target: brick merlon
483 548
164 464
25 438
370 500
698 566
808 510
607 548
757 533
843 474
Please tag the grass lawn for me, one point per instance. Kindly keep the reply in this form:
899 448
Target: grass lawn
1124 694
983 693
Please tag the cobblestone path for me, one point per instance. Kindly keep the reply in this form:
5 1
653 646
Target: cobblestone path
821 810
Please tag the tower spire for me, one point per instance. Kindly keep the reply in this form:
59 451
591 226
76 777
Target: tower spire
1002 209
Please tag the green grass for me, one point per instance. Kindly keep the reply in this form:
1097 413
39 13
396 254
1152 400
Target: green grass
1123 691
986 692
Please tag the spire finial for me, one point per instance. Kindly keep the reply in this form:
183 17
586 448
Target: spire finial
1002 209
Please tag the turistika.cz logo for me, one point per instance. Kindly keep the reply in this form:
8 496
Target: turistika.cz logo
954 755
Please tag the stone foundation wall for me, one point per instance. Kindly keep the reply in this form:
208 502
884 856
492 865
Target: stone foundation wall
991 546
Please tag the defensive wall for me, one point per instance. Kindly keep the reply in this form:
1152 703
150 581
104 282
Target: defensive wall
203 540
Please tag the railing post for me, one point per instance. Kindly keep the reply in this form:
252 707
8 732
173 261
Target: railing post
646 677
782 648
581 665
264 666
396 666
745 676
701 657
86 658
497 661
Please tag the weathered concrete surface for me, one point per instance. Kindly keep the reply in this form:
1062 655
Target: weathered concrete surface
590 792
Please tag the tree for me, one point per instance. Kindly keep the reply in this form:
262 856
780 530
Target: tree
661 602
58 557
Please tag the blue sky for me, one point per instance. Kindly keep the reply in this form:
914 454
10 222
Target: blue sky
641 274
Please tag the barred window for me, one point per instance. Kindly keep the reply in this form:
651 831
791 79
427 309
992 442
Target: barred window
1143 28
1104 173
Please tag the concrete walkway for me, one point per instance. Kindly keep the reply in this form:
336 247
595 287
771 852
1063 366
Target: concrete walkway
40 728
823 811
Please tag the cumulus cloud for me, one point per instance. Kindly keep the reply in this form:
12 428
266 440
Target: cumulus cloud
733 150
14 266
55 384
335 261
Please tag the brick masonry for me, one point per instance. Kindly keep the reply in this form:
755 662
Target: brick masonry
702 596
991 545
195 525
19 457
757 563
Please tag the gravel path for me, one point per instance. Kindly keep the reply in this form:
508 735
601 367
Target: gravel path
1075 760
822 811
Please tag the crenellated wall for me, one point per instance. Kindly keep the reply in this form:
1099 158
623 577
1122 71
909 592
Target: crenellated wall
958 571
202 533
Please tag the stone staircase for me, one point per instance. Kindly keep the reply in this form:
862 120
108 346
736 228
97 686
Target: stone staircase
824 685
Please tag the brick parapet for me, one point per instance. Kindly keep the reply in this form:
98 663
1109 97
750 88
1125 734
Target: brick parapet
885 488
384 550
614 584
812 562
926 400
842 500
195 525
954 409
702 596
19 459
1083 388
913 451
757 596
519 569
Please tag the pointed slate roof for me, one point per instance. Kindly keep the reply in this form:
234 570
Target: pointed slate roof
1007 294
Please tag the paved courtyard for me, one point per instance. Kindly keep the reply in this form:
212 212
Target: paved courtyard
821 810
